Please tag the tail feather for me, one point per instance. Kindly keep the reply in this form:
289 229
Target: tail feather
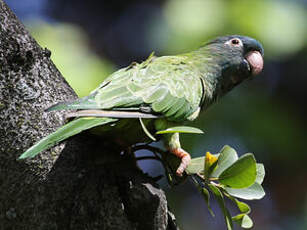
72 128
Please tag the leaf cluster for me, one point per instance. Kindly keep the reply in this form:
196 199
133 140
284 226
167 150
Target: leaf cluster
225 175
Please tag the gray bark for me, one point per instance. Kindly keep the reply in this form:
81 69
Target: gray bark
75 185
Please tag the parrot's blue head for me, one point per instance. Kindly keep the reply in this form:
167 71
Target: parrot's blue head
237 57
240 43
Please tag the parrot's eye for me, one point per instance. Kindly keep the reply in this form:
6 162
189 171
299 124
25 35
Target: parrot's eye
234 42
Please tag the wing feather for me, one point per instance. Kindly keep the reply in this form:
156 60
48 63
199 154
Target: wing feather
169 85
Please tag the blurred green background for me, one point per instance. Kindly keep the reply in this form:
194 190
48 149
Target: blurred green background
266 116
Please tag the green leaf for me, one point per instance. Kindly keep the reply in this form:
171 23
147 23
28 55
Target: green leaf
238 218
226 158
206 196
243 207
243 220
220 199
260 173
246 222
67 130
180 129
240 174
254 192
196 166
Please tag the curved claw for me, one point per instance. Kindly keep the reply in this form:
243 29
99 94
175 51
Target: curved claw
185 159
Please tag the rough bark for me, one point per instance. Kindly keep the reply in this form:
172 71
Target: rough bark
75 185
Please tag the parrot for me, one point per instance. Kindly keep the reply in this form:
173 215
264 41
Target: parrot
157 94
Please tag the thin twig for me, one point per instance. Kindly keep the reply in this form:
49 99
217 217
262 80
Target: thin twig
148 158
154 150
148 147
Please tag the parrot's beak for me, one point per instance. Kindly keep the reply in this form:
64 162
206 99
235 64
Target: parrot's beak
255 61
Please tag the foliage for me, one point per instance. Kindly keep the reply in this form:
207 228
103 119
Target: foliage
180 129
223 175
226 175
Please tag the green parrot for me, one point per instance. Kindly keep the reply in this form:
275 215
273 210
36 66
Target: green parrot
159 93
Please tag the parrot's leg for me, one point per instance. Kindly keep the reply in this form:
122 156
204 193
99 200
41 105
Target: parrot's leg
175 148
185 159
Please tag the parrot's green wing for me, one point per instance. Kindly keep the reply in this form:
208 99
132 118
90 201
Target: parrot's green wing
167 86
72 128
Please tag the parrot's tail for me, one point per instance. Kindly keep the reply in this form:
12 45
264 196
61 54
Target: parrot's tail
72 128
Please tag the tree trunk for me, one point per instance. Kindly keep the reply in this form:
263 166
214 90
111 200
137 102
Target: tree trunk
75 185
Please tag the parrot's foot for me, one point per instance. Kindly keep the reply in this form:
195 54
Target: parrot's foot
185 159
